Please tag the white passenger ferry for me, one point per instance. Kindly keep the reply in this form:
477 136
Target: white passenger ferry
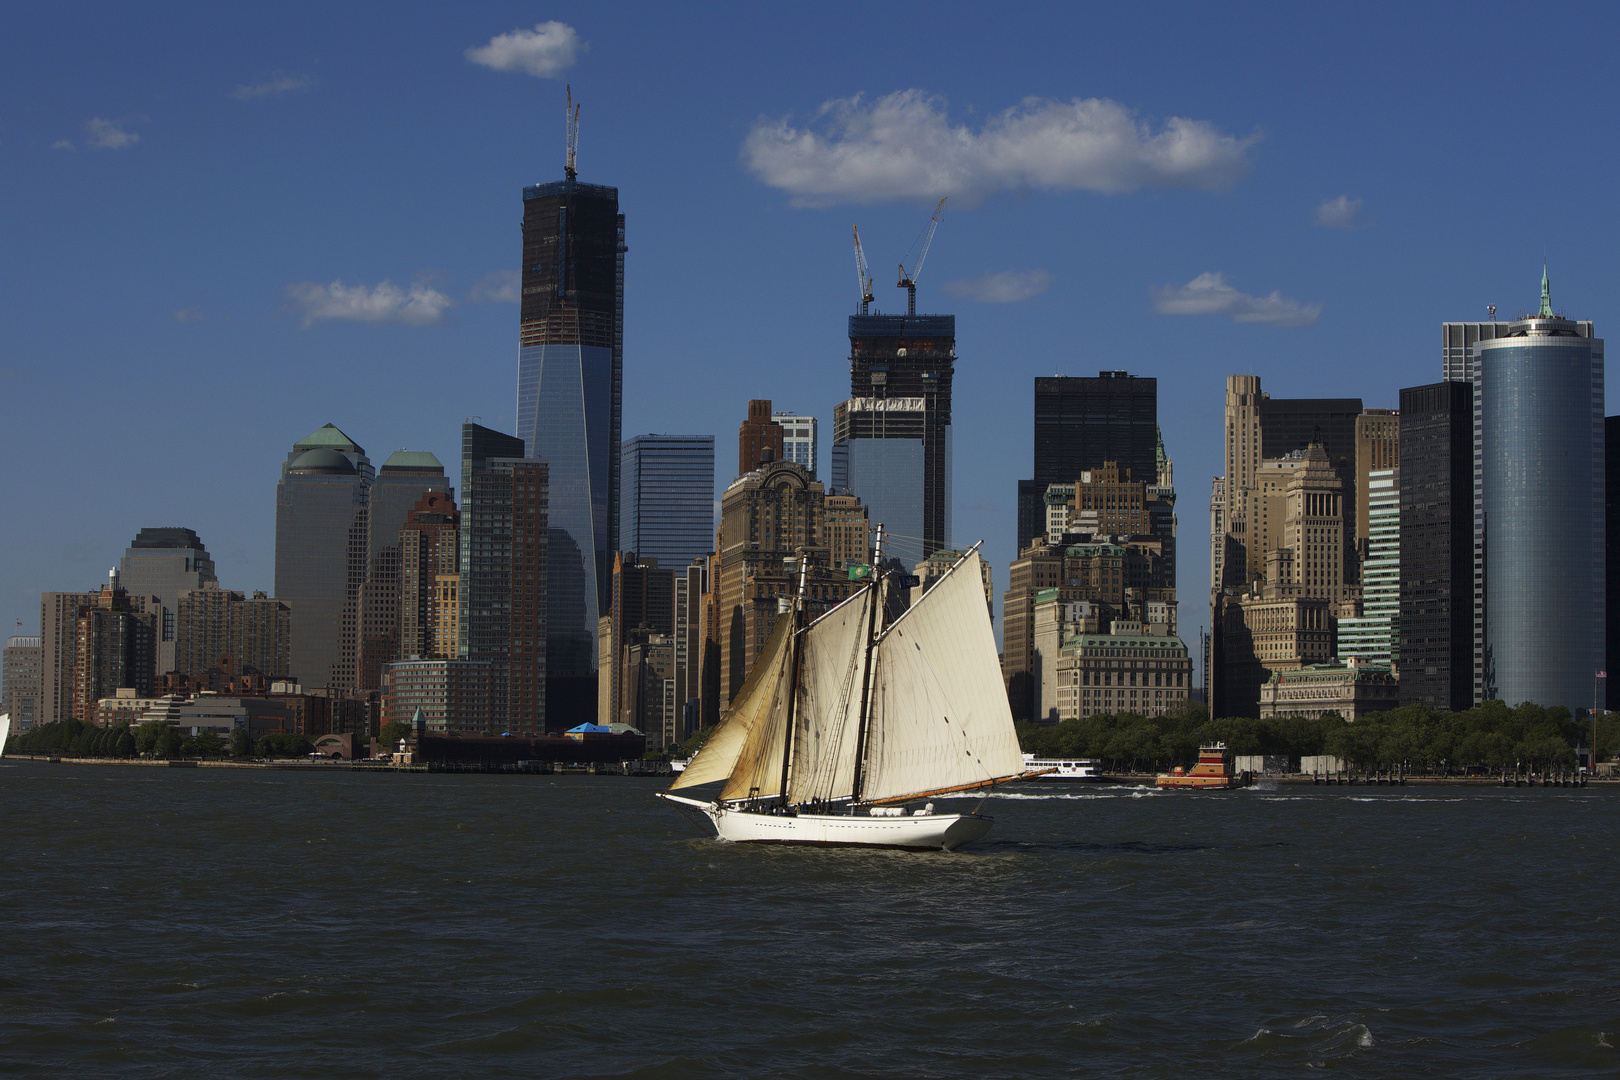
1087 770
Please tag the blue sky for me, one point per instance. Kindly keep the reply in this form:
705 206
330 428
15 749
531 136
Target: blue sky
182 185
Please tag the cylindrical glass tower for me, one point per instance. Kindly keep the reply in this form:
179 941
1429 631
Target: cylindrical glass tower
1541 435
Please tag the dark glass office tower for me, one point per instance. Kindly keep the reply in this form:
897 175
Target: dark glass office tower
1082 422
321 554
404 478
1437 545
165 563
892 438
1540 392
1611 559
667 497
570 374
505 616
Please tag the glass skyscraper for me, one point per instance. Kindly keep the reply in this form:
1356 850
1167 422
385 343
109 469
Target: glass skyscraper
403 479
1540 410
165 563
892 438
321 554
666 505
570 384
799 443
1373 636
506 611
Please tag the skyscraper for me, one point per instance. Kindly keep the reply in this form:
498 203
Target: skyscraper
1374 635
1437 545
20 676
570 390
1080 423
1611 557
321 554
1540 411
756 435
1460 362
892 437
401 482
165 563
506 610
430 579
58 638
799 443
667 497
115 646
218 628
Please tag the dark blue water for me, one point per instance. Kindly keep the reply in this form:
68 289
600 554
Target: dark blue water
158 923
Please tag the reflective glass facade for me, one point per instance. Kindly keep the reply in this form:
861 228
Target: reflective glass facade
570 374
666 505
887 476
1541 437
404 478
1374 635
165 563
321 554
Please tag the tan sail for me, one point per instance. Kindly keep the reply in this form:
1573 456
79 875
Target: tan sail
939 716
827 715
758 771
719 755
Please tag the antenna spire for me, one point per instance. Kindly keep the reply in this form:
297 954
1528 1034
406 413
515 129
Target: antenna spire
1546 294
571 118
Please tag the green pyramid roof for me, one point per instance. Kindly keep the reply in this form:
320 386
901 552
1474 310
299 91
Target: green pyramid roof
413 459
328 438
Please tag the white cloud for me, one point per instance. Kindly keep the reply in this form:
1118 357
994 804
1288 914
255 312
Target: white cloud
546 51
903 147
62 144
188 315
278 83
107 135
1007 287
496 287
1341 213
419 305
1209 294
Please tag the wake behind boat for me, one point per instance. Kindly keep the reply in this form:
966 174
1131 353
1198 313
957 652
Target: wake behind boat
842 722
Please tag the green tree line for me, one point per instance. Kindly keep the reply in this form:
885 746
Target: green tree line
1490 736
154 738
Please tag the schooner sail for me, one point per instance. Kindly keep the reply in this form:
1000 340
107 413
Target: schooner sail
845 715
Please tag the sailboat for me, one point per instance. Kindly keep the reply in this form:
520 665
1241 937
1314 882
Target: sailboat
844 721
5 730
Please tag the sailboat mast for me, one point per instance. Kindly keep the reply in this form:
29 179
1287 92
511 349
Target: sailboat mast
793 682
873 601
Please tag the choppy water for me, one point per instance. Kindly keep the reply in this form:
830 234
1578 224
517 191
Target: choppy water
159 922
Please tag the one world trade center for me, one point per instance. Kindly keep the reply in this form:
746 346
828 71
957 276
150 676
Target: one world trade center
570 375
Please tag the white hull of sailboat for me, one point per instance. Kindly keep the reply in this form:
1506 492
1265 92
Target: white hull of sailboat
922 832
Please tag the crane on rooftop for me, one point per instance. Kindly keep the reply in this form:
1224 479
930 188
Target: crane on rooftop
863 279
907 281
571 117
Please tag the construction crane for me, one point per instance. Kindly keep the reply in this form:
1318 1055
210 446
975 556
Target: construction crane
571 117
907 281
863 280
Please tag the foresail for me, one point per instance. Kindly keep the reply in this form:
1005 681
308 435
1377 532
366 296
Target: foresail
939 715
758 771
826 718
718 757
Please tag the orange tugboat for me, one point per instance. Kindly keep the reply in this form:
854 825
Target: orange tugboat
1212 773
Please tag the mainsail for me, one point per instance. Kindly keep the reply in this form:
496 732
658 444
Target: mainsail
826 717
738 731
939 717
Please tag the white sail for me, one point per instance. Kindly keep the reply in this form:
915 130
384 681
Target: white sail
719 755
5 730
826 718
939 717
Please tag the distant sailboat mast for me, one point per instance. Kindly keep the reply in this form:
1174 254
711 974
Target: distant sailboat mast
862 728
793 681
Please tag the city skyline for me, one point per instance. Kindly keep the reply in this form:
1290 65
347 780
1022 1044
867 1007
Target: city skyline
218 333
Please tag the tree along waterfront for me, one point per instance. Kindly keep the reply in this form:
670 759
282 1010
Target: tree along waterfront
72 738
1491 736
